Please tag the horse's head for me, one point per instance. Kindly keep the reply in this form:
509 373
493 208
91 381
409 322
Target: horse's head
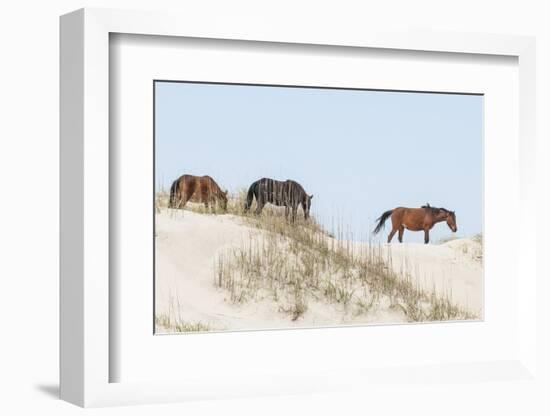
307 205
451 221
223 199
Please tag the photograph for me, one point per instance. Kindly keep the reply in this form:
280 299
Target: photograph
287 206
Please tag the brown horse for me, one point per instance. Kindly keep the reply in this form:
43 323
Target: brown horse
196 189
416 219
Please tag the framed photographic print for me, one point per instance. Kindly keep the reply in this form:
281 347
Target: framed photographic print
239 246
246 212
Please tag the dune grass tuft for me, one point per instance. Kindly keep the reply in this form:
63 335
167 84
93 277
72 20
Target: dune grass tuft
169 324
172 321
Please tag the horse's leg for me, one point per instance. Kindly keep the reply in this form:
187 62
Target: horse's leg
304 209
426 236
396 219
176 203
287 211
294 212
392 233
400 235
185 191
213 204
183 200
206 198
259 205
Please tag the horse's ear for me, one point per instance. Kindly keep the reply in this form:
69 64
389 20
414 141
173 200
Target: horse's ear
225 193
311 197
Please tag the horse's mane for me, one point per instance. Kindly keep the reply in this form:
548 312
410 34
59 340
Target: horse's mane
435 210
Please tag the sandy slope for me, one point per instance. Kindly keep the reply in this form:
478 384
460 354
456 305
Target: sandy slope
187 244
453 268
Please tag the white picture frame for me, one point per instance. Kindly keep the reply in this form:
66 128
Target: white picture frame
85 353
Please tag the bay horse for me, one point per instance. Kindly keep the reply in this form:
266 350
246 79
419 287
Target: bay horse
202 189
416 219
289 194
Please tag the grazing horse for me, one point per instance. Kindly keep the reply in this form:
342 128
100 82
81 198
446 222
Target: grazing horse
196 189
416 219
289 194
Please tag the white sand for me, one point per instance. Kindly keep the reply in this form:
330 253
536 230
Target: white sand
187 244
452 269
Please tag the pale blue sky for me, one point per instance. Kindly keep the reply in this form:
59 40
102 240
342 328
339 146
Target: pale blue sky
359 152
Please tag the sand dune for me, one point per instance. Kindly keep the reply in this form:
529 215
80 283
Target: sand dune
453 268
188 243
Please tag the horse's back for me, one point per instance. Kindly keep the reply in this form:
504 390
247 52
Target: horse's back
187 179
269 182
274 186
269 185
197 181
408 210
295 186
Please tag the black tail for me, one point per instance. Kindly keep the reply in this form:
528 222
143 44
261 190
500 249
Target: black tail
250 196
172 201
382 220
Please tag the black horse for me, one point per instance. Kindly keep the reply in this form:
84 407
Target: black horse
289 194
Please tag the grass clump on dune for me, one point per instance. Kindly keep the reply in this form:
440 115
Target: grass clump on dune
169 324
172 321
